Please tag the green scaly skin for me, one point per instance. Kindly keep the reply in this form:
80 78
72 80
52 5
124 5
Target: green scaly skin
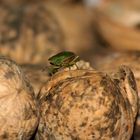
62 60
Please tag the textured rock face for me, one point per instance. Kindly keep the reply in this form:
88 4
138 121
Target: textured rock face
38 74
86 104
131 59
18 107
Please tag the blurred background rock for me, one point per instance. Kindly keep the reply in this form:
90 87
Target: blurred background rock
97 30
34 31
